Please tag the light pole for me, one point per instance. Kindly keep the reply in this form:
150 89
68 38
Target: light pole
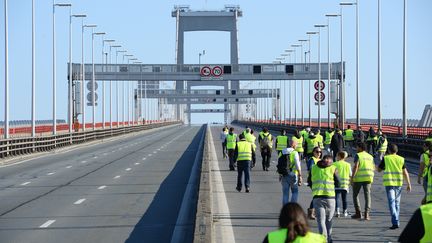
302 83
328 65
103 82
118 90
123 86
129 94
138 93
309 61
199 57
109 60
33 102
289 51
379 65
93 81
357 60
319 26
295 82
54 64
404 75
83 106
6 112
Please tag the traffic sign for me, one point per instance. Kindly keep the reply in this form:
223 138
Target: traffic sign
316 85
205 71
316 96
90 86
217 71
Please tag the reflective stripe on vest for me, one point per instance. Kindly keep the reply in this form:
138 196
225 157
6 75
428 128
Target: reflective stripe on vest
393 164
349 135
299 147
231 141
426 212
383 147
282 142
323 181
366 168
328 137
244 150
426 161
279 236
344 169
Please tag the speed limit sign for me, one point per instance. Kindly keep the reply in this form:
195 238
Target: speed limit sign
217 71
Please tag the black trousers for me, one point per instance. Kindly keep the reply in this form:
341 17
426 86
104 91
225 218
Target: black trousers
266 155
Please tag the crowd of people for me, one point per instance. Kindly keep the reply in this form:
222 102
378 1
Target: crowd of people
330 177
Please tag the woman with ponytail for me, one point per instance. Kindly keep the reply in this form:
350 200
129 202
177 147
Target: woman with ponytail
293 227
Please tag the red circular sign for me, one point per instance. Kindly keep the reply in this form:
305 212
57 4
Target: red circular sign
316 96
205 71
316 85
217 71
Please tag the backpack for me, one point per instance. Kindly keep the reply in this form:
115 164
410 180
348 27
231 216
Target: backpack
265 141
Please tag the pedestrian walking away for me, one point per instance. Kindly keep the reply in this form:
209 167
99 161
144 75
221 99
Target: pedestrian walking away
289 170
395 171
230 141
359 135
293 227
362 177
266 143
371 141
344 170
349 140
337 143
250 137
244 155
323 179
281 141
299 141
381 146
223 135
425 158
418 228
327 140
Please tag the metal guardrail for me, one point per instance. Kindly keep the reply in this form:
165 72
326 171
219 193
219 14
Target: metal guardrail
22 146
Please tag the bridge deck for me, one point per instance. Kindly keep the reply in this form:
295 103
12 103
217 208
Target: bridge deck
247 217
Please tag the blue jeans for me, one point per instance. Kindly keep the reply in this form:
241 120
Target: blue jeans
289 182
243 167
393 196
343 194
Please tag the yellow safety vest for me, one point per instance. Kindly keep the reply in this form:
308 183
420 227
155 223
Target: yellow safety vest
267 134
374 138
320 140
279 236
344 169
328 137
428 139
304 134
231 141
426 212
299 147
251 139
366 168
293 162
311 144
315 160
323 181
393 170
282 142
426 161
429 186
349 135
244 149
383 147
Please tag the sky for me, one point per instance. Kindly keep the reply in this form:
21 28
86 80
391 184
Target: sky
147 30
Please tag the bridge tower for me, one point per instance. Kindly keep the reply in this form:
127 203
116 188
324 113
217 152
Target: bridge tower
188 20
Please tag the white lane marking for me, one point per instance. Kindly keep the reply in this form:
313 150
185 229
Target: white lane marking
105 153
128 169
150 155
68 167
224 226
155 152
137 163
95 157
144 158
51 173
83 161
25 183
158 149
79 201
116 177
101 187
47 223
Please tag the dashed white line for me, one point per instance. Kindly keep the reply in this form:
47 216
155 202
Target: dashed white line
47 223
25 183
158 149
51 173
155 152
144 158
68 167
128 169
137 163
101 187
79 201
105 153
83 161
150 155
95 157
116 177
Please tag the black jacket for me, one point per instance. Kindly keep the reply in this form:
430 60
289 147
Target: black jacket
337 142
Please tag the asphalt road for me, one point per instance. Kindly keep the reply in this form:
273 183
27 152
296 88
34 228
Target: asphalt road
125 190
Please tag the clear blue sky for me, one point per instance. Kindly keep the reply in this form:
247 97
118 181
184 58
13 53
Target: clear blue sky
147 30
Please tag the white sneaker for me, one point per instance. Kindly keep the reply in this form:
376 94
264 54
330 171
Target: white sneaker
337 213
345 213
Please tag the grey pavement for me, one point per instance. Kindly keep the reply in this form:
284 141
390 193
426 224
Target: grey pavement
125 190
247 217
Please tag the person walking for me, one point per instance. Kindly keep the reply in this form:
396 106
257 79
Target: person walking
362 177
317 154
328 137
395 171
382 144
293 227
311 142
244 154
323 179
337 143
281 141
230 142
299 141
250 137
349 140
371 141
266 143
418 227
223 135
344 170
289 170
424 165
429 137
359 135
320 138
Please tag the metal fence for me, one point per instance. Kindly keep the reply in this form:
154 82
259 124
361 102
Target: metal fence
22 146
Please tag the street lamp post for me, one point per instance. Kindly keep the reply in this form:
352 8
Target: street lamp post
295 82
199 57
109 60
123 92
302 84
289 51
319 72
6 112
118 90
328 66
129 94
93 81
309 61
379 66
103 82
404 75
83 106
